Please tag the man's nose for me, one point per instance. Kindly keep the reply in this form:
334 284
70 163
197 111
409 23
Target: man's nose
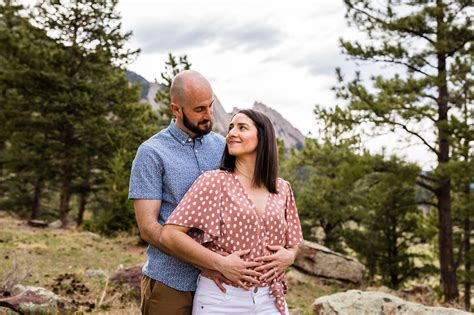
208 113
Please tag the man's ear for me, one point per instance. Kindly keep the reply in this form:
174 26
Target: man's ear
175 109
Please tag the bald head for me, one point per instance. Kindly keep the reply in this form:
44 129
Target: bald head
187 85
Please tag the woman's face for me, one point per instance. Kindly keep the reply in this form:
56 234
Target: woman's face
242 136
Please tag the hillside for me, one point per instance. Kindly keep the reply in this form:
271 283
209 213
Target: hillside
76 264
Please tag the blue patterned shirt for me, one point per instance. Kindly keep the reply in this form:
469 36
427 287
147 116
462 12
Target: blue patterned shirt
165 167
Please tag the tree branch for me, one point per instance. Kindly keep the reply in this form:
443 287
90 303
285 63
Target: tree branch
451 52
409 66
416 135
426 186
388 26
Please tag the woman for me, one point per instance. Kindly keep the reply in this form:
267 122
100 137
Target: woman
246 219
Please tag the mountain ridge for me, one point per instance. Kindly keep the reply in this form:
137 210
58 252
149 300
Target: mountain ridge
284 130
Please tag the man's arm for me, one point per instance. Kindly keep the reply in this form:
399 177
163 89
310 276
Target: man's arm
146 213
182 246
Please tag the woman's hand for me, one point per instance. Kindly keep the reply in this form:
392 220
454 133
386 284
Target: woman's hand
275 264
237 270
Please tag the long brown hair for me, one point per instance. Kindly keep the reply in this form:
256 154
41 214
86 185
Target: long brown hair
266 164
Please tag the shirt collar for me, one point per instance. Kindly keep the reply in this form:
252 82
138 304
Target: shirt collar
182 136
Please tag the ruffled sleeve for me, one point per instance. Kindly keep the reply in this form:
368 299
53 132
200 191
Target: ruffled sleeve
294 235
200 208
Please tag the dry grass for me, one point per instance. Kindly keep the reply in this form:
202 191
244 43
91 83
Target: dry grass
58 260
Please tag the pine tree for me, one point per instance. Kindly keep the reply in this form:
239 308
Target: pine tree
27 62
429 43
389 225
87 85
172 68
325 176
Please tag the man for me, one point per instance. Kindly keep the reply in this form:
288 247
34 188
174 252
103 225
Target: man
165 166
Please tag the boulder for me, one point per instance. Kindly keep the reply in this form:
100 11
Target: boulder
355 302
130 276
56 224
322 262
36 300
38 223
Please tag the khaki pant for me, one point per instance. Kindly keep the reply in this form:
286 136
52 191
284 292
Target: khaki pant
157 298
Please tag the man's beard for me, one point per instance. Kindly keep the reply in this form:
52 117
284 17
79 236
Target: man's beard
195 128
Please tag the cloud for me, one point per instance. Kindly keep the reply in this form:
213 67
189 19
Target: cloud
165 36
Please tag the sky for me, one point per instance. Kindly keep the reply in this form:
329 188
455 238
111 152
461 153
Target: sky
280 53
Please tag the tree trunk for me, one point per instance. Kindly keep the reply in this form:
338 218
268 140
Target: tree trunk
65 197
35 207
82 208
467 263
443 191
2 150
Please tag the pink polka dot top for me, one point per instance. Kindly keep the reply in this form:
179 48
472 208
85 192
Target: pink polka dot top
224 219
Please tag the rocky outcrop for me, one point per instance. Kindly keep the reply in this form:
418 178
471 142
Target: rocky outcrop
355 302
36 300
221 117
292 137
284 130
131 277
322 262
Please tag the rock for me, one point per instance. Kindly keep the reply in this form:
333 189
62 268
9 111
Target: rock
56 224
295 277
130 276
91 235
355 302
36 300
320 261
38 223
96 273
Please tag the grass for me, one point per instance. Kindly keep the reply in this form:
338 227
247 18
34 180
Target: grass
58 259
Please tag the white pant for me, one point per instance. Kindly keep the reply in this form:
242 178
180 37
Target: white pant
209 299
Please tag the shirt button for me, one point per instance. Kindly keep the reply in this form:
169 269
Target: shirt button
195 150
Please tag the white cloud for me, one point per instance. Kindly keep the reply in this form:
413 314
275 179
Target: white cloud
281 53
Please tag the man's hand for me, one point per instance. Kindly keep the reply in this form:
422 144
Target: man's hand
237 271
217 277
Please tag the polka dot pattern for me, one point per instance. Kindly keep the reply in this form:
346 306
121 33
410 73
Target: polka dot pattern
223 218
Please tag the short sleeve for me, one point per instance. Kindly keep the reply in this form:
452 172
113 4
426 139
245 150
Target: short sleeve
294 235
146 178
200 207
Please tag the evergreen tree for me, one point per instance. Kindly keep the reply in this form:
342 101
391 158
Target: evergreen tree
89 83
172 68
325 176
27 63
390 225
429 43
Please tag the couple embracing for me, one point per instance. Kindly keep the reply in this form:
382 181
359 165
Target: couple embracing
222 227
